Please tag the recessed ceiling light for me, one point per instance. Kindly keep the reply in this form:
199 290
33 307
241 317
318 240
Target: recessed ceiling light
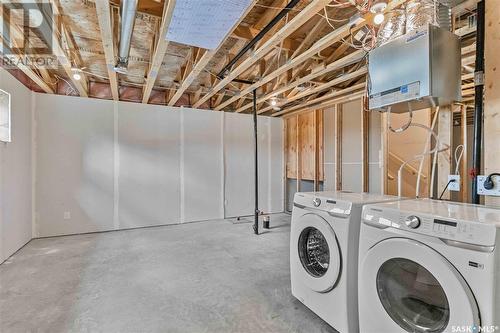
77 76
378 18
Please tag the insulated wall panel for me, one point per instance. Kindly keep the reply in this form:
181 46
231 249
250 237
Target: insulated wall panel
329 148
149 166
239 164
75 165
351 146
276 167
15 171
202 167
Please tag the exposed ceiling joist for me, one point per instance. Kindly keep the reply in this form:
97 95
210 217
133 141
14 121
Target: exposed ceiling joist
330 39
159 53
104 17
64 60
345 61
348 94
320 88
301 18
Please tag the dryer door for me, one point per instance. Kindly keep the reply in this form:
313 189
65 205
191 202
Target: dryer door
406 284
318 252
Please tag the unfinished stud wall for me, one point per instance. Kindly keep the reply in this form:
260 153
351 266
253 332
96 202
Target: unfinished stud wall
15 171
340 145
104 165
304 153
404 146
352 140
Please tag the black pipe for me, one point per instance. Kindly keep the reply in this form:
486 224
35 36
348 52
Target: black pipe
478 100
256 223
259 36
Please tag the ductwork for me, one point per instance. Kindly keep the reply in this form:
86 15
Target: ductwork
128 10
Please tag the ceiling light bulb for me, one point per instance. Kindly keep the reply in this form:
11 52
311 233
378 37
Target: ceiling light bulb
378 18
274 102
77 76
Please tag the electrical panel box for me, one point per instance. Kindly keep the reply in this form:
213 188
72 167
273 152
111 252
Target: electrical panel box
419 70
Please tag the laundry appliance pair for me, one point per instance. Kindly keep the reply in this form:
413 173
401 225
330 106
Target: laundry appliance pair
415 265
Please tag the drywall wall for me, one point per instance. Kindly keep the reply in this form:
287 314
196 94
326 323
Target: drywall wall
104 165
15 171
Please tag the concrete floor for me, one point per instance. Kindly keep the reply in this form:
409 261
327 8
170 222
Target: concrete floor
213 276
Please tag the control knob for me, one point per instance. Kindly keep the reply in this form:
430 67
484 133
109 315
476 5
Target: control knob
316 202
412 222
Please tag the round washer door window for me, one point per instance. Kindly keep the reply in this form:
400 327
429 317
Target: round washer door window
314 252
412 296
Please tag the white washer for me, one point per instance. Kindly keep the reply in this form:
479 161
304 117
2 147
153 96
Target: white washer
429 266
324 253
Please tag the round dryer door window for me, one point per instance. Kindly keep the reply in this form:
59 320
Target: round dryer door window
317 250
314 252
412 296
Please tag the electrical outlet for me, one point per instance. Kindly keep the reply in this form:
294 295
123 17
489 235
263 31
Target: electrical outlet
67 215
495 191
454 186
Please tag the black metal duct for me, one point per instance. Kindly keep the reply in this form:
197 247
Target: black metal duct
478 99
259 36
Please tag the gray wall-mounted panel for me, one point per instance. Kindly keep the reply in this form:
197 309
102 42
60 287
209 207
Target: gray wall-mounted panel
202 166
149 166
75 165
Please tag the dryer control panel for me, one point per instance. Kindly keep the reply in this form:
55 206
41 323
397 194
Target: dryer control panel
435 226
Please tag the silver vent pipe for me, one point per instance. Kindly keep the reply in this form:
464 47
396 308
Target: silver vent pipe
128 10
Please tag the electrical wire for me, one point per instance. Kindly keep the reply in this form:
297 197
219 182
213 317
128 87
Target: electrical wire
446 187
458 159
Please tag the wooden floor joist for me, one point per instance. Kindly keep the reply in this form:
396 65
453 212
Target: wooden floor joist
159 52
104 18
328 40
336 65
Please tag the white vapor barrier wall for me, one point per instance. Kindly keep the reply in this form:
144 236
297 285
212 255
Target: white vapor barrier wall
15 171
239 178
351 149
104 165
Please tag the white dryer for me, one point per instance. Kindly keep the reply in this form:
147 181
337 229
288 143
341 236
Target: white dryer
429 266
324 253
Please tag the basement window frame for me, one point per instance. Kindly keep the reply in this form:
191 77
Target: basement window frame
5 116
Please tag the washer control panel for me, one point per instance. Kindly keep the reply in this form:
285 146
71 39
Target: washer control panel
333 207
435 226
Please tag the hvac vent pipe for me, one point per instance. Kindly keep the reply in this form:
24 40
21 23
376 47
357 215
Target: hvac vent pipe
128 10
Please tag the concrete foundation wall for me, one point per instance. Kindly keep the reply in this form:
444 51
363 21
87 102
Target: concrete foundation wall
15 171
104 165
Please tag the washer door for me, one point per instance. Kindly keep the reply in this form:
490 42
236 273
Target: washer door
406 284
318 252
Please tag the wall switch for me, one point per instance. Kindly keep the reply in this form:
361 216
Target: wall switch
495 191
67 215
454 186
